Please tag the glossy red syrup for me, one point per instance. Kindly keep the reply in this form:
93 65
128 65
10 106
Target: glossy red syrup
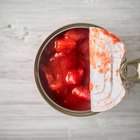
64 69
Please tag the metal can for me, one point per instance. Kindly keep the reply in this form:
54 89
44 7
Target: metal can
123 71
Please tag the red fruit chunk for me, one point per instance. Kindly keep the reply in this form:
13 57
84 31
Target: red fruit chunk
60 64
54 84
64 44
66 63
81 92
53 74
74 76
77 34
84 49
71 100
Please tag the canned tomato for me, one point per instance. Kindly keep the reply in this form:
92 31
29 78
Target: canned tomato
80 69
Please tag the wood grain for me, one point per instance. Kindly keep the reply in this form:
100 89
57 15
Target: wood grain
24 114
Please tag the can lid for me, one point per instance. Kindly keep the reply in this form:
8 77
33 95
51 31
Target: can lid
106 53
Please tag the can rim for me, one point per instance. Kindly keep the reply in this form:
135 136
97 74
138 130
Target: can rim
36 71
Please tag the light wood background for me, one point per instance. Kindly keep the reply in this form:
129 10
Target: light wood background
24 114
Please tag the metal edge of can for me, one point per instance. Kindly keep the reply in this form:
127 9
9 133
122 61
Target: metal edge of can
36 71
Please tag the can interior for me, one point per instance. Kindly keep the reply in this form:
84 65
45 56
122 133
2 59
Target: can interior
41 81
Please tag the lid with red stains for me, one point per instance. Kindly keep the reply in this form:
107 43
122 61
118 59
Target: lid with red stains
106 53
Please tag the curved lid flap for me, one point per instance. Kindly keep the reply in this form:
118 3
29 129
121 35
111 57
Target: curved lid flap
106 53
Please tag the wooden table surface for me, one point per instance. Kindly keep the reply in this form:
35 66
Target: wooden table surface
24 114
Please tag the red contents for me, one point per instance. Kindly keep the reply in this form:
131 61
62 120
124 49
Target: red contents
64 69
81 92
77 34
64 44
74 76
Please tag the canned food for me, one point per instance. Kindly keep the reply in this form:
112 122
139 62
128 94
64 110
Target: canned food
79 67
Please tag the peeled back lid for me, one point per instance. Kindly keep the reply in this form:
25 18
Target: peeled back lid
106 53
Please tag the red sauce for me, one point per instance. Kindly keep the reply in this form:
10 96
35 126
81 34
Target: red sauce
64 69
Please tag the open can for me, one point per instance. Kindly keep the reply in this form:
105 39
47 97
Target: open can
50 43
